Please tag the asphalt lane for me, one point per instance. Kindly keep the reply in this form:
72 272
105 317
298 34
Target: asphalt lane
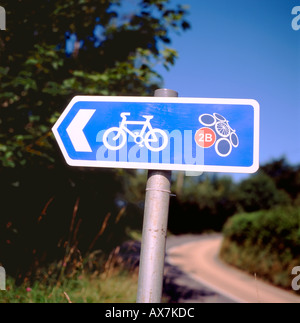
197 257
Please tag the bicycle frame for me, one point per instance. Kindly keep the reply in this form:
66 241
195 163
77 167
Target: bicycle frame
146 125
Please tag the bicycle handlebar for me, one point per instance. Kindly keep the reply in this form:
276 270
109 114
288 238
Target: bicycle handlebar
125 114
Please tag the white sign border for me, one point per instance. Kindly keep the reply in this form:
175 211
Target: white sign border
133 165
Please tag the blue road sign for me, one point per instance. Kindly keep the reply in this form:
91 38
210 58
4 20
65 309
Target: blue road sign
190 134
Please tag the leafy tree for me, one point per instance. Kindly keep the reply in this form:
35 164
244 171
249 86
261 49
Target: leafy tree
114 53
259 192
285 176
49 208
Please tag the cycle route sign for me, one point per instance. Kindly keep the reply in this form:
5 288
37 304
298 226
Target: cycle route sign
184 134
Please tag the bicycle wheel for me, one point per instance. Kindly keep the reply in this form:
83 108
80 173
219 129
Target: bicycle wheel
111 136
158 133
219 117
223 147
234 139
207 119
222 129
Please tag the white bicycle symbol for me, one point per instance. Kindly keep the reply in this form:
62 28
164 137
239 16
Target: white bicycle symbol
140 137
228 135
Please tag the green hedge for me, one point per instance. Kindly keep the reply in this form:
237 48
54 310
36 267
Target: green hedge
266 243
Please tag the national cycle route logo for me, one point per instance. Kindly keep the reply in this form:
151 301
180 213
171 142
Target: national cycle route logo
145 137
218 132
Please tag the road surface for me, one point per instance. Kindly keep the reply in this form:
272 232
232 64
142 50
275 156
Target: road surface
199 260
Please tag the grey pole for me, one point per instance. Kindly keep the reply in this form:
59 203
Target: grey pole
154 235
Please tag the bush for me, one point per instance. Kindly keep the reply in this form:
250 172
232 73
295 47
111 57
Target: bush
265 242
259 192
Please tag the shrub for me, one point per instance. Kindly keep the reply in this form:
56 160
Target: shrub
265 242
260 192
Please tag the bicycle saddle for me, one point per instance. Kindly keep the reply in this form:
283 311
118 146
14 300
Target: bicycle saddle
148 117
124 114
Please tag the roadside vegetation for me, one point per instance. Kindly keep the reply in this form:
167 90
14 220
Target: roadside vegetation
259 217
52 213
264 243
117 286
263 238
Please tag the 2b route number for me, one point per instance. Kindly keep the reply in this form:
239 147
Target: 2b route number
205 137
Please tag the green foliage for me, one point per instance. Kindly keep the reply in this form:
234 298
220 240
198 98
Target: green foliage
118 287
285 176
207 190
274 228
48 207
260 192
265 242
204 204
135 186
38 77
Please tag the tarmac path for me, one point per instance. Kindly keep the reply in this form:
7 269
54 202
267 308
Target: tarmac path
197 257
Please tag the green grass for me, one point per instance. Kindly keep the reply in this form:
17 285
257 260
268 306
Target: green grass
117 287
134 235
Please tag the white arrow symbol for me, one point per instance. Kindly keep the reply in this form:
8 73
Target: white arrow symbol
75 130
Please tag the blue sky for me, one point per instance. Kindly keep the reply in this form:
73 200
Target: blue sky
244 49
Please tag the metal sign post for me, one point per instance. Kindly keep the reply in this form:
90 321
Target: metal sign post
154 235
